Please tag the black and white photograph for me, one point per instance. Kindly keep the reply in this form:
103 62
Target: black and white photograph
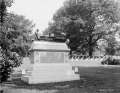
59 46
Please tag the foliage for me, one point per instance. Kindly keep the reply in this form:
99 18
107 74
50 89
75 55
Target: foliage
14 41
8 61
111 61
8 3
85 22
109 43
19 29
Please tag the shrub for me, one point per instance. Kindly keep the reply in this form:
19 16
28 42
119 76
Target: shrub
7 64
5 71
111 61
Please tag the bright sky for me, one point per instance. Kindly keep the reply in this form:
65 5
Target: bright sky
39 11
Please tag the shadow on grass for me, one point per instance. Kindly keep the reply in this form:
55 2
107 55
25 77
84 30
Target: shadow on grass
43 86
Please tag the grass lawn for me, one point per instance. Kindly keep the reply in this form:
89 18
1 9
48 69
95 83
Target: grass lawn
93 80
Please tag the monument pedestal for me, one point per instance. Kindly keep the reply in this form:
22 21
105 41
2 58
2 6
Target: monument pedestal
49 63
48 73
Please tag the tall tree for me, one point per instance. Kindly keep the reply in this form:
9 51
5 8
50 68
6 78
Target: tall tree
85 22
14 31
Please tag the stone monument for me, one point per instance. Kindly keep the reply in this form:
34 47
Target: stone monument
49 62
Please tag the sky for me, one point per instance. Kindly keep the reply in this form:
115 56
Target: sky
38 11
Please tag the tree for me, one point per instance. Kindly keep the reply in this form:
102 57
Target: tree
14 31
110 43
18 30
85 22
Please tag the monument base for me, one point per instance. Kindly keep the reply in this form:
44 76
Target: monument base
50 72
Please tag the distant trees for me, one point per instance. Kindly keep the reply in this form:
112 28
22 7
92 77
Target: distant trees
110 44
18 30
14 36
85 22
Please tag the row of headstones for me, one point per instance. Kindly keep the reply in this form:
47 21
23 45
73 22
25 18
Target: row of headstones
86 57
90 59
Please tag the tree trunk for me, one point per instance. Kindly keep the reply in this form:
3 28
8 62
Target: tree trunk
90 51
90 47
